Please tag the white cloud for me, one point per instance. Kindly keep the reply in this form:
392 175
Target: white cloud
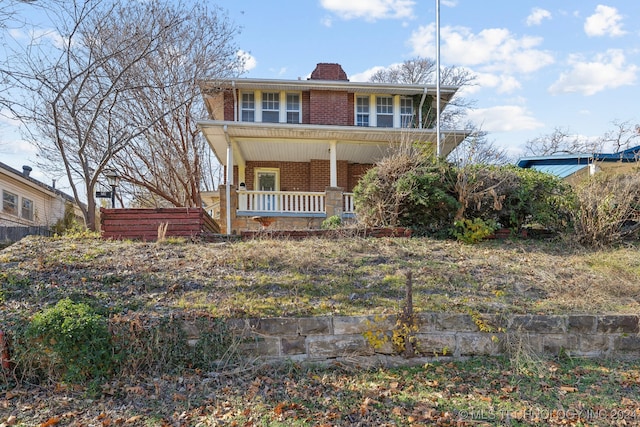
605 21
365 76
605 71
497 56
249 60
493 49
370 10
505 118
503 83
450 3
537 16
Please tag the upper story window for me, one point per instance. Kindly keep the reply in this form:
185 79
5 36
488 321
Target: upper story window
248 107
384 111
9 203
271 107
362 111
27 209
293 108
406 112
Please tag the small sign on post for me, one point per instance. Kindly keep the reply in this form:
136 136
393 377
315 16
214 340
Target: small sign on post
103 194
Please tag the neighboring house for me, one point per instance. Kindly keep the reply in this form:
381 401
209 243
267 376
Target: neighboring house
28 202
293 150
575 167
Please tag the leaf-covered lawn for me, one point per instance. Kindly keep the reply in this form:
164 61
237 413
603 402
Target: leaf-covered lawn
328 277
464 393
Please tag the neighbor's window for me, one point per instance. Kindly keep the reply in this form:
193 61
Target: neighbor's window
248 107
271 107
384 111
27 209
362 111
406 112
293 108
9 203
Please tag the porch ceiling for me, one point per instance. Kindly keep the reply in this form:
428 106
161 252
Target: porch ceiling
301 143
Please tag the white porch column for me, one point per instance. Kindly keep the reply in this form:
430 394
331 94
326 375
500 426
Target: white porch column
333 164
229 179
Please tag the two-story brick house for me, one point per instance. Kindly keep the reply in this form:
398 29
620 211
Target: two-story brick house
293 150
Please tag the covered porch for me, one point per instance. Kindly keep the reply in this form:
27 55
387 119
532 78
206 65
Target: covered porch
297 175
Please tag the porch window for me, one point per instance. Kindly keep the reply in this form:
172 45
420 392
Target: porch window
406 112
248 108
271 107
293 108
384 111
9 203
27 209
362 111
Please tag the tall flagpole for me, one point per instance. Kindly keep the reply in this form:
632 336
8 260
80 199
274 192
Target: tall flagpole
438 149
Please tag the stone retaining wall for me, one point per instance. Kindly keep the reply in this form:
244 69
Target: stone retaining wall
439 335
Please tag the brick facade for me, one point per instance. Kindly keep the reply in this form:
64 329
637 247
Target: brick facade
330 108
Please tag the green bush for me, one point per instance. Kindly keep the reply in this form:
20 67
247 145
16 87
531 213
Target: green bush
68 342
515 197
407 189
331 223
473 231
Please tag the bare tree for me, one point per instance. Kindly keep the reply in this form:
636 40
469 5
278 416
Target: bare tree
561 141
81 85
478 149
625 135
171 162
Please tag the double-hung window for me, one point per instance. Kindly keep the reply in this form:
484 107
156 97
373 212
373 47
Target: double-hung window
27 209
271 107
362 111
406 112
384 111
248 107
293 108
9 203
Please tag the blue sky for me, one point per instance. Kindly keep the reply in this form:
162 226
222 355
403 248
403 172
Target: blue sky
539 65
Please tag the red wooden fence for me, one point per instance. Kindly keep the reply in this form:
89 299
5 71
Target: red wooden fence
143 224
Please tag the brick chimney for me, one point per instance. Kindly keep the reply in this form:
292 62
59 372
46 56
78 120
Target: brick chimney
326 71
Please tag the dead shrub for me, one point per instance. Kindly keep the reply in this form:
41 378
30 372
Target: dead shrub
608 209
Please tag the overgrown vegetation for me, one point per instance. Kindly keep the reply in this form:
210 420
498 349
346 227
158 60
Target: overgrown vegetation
410 188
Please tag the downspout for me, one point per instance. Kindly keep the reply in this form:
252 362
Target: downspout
229 178
424 95
235 101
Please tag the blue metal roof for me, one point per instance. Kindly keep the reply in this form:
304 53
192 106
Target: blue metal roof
561 171
579 159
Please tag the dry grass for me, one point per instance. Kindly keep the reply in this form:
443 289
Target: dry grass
320 276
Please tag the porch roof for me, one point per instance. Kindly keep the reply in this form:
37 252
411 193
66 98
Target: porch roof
300 143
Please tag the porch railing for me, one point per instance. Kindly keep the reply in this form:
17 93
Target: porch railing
347 203
281 201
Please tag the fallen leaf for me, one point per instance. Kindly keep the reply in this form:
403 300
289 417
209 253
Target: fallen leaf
568 389
50 422
133 419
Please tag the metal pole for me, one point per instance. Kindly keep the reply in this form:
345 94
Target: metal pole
438 149
113 197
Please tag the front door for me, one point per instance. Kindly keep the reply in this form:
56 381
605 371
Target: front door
267 180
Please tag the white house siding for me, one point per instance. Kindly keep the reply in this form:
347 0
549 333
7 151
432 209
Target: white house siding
48 206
